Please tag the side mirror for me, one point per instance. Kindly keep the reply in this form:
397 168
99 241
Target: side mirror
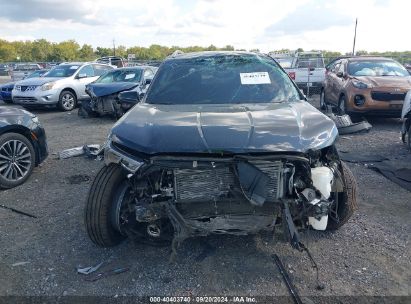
340 74
129 97
148 81
79 76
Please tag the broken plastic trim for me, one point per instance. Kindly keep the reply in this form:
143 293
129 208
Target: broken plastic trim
113 156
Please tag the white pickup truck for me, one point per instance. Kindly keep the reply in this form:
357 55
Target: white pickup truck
305 68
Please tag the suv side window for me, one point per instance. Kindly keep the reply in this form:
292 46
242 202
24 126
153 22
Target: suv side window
88 70
336 67
148 74
100 69
342 66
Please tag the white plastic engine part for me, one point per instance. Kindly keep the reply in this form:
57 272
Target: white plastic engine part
322 178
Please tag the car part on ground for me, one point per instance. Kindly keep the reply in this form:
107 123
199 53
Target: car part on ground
17 211
366 85
22 145
223 143
89 150
346 126
287 280
62 86
108 93
406 118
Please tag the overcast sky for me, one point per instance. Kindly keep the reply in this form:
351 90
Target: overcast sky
264 24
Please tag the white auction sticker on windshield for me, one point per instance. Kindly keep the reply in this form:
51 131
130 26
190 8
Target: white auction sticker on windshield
74 67
255 78
130 76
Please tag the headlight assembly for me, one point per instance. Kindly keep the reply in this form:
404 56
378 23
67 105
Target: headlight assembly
47 86
360 84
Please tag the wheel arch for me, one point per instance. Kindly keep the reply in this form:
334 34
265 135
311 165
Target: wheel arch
70 90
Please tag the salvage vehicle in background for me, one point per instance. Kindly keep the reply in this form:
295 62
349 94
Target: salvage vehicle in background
104 91
7 88
366 85
222 143
22 70
305 68
116 61
22 146
63 85
406 118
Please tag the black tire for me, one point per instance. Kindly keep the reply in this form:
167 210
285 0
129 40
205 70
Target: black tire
8 101
347 201
100 205
323 101
341 107
409 136
25 164
67 101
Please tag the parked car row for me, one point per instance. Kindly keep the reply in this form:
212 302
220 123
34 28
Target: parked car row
65 86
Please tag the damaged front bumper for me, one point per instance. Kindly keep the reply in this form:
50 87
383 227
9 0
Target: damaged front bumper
237 194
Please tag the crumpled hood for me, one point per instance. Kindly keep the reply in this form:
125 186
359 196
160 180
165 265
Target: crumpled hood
37 81
247 128
103 89
387 81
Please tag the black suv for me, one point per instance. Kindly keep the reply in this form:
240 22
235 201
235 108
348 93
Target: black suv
223 142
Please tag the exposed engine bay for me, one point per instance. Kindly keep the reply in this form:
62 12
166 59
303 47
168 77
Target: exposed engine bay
176 197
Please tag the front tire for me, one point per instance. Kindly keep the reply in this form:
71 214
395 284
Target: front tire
102 203
347 200
67 101
7 101
17 160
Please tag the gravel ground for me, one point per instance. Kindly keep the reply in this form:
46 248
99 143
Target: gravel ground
369 256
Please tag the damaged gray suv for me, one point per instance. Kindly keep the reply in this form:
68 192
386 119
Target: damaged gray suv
223 143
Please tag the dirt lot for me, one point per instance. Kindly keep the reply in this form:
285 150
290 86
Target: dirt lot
369 256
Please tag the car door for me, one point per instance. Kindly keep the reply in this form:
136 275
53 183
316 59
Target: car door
84 76
340 80
331 83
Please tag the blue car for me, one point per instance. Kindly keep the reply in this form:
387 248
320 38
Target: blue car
5 90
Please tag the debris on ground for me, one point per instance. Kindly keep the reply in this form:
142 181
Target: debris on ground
287 280
19 264
17 211
88 150
107 273
88 270
346 126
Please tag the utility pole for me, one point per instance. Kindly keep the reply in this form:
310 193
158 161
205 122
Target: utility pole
114 46
355 36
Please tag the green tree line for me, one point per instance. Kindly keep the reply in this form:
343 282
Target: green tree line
42 50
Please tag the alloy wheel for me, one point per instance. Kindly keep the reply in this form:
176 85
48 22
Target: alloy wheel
67 101
15 160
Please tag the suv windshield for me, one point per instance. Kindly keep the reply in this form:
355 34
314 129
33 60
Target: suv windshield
376 68
121 76
221 79
65 70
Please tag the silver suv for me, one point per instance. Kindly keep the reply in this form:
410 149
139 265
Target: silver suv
63 85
